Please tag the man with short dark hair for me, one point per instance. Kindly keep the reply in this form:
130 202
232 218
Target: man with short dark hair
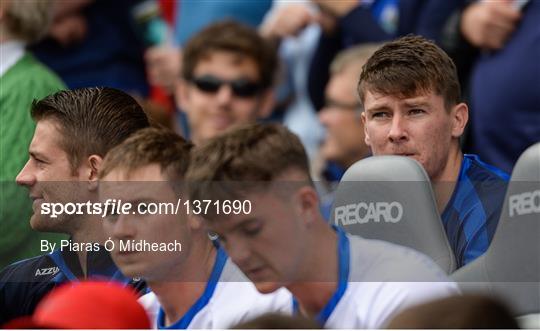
227 76
412 107
74 131
194 284
282 240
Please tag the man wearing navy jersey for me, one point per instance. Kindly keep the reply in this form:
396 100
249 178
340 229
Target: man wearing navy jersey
411 96
74 131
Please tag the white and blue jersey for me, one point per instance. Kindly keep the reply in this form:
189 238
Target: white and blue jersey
472 214
377 280
228 299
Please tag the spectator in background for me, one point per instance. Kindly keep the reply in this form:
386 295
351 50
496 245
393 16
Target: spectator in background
457 312
227 78
187 18
344 142
505 79
491 43
96 43
352 22
22 79
163 61
412 107
294 27
74 131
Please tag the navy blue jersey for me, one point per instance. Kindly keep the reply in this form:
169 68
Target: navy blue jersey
471 216
23 284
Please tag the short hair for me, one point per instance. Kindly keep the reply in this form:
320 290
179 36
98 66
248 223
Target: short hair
250 156
470 311
410 65
27 20
150 146
278 321
231 36
91 120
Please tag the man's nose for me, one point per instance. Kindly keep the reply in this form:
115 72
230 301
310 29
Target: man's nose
123 227
224 94
325 115
238 252
398 131
26 176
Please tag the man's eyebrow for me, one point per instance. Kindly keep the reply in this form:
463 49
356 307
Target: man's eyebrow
329 101
416 103
243 223
236 227
36 155
377 108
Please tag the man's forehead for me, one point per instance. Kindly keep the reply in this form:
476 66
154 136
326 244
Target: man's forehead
140 182
224 224
226 56
342 84
376 99
47 136
133 191
224 61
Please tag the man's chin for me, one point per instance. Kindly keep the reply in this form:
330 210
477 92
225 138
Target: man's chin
210 133
130 270
41 224
267 287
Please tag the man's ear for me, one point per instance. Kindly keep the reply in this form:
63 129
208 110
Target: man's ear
366 135
93 162
309 203
460 117
195 223
267 103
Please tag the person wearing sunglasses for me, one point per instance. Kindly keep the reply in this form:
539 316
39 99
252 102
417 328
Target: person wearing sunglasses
226 79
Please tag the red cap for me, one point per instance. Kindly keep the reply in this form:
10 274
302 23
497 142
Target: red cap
87 305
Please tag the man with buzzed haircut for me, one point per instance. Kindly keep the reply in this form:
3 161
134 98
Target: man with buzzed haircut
195 286
227 75
74 131
412 107
341 280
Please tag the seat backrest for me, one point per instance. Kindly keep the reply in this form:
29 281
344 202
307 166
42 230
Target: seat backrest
390 198
510 268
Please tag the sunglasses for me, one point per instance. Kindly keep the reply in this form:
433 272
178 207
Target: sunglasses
242 88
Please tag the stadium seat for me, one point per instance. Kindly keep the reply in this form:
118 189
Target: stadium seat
390 198
510 268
